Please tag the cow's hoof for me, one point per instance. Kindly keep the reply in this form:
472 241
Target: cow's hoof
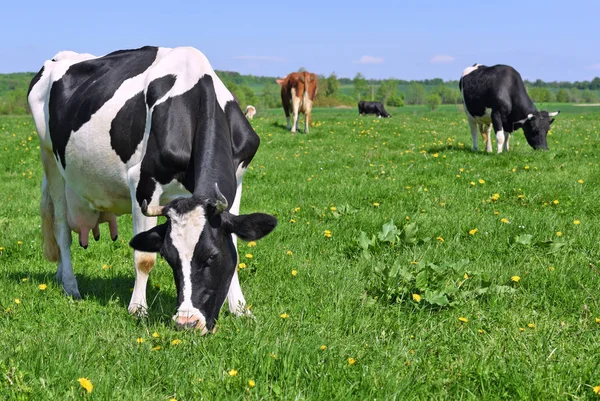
97 238
73 293
115 238
83 246
137 310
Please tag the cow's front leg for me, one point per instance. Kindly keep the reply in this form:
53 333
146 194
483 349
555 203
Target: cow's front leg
498 127
506 141
235 298
143 261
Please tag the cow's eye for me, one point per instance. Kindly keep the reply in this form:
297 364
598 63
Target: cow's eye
213 256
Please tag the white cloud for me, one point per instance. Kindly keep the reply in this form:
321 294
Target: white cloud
442 59
370 60
272 59
593 67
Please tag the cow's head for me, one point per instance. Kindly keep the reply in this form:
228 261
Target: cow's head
197 242
536 127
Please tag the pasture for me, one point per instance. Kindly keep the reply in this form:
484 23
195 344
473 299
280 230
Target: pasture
485 286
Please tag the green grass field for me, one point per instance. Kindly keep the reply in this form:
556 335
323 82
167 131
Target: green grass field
501 251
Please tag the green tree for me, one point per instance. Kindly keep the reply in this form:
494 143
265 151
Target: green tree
562 96
587 96
333 85
386 89
416 94
361 86
433 101
396 100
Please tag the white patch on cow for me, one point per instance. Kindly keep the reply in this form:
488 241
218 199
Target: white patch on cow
185 233
470 69
500 140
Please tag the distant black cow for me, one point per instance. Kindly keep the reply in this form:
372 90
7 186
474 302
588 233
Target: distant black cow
496 96
372 108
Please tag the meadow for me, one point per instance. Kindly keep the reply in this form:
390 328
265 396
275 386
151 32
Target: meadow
404 266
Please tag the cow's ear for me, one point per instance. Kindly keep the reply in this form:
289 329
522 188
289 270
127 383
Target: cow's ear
279 81
151 240
249 227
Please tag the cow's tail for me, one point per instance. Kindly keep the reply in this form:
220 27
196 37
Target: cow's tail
49 244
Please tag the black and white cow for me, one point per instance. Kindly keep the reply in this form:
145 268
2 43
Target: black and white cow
496 96
372 108
137 129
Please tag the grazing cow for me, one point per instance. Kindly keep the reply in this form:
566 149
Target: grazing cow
372 108
250 112
152 132
496 96
298 92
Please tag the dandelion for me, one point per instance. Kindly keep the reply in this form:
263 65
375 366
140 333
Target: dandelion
472 183
1 248
440 239
273 355
480 331
531 325
158 347
416 297
580 181
323 347
576 222
466 276
473 231
351 361
504 220
17 301
251 383
597 389
290 253
495 197
284 315
86 384
376 204
232 373
521 329
42 287
292 221
526 167
24 279
481 181
559 233
515 279
251 244
296 210
106 267
327 233
176 341
155 335
249 256
463 319
19 242
333 208
551 268
555 202
520 196
242 265
294 272
139 340
597 320
172 399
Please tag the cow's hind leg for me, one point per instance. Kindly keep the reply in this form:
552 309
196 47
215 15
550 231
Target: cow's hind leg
295 110
474 133
235 298
497 122
486 131
57 236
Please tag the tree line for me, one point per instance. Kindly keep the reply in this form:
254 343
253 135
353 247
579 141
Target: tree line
263 92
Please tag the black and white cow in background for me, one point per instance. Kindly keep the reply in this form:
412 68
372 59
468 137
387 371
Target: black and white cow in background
496 96
134 130
372 108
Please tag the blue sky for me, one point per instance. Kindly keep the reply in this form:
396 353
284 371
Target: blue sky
407 39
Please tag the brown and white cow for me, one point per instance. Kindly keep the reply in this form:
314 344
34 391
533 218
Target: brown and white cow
298 92
250 112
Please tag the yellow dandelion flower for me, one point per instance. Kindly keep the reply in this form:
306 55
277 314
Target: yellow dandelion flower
580 181
86 384
172 399
292 221
249 256
576 222
555 201
481 181
24 279
597 320
155 335
42 287
251 244
520 196
17 301
463 319
297 209
407 218
551 268
232 372
559 233
473 231
495 197
156 348
242 265
323 347
20 242
531 325
105 267
504 220
327 234
251 383
480 331
472 183
176 341
416 297
515 279
526 167
333 208
139 340
351 361
597 389
496 213
290 253
376 204
466 276
521 329
273 355
284 316
294 272
440 239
